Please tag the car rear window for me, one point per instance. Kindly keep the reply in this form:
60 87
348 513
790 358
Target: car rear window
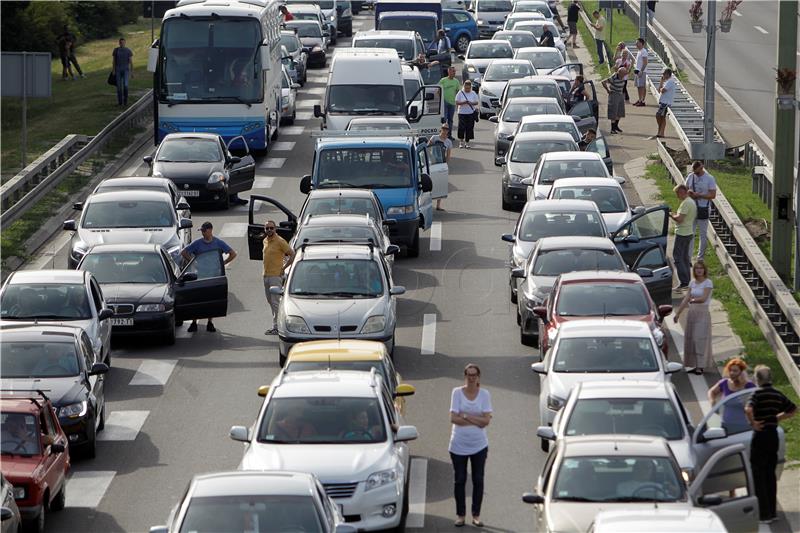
613 299
538 224
46 301
605 354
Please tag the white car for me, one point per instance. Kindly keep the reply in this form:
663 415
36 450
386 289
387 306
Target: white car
534 6
288 98
343 427
545 58
495 79
598 350
657 520
607 193
558 165
516 18
562 123
478 56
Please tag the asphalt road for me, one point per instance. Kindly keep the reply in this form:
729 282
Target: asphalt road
171 407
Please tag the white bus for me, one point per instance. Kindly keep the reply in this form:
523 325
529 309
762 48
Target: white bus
217 68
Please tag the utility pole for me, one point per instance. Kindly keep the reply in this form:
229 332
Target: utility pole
710 78
643 19
783 172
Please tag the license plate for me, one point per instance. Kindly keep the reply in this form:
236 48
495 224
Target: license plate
189 193
121 321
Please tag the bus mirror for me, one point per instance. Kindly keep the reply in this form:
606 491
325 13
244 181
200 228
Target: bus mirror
152 57
264 58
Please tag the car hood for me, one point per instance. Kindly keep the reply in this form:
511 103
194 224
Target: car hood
520 169
494 86
578 516
506 128
332 463
92 237
310 42
396 197
615 220
188 172
134 292
561 383
331 311
85 325
479 63
19 469
61 391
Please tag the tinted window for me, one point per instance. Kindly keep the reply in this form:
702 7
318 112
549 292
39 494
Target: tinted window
553 170
426 27
189 151
20 435
125 267
336 233
366 168
39 359
613 299
653 258
344 278
479 50
538 224
530 151
518 40
45 301
543 60
605 354
366 99
617 479
629 416
563 127
507 71
404 47
607 199
129 214
251 513
494 6
516 110
305 29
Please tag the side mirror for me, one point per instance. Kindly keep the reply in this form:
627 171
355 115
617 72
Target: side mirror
397 290
182 204
413 113
235 160
461 56
98 368
185 223
318 111
638 210
508 237
510 138
619 179
77 206
644 272
495 119
538 368
546 433
188 276
263 390
500 161
518 273
389 222
713 434
527 181
673 367
710 500
239 433
305 184
277 291
70 225
57 448
404 389
533 499
633 239
392 249
148 159
425 183
104 314
664 310
6 514
540 311
406 433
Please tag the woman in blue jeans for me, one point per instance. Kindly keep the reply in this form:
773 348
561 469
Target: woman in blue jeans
470 413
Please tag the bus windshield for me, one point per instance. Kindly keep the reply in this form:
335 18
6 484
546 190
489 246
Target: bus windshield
211 60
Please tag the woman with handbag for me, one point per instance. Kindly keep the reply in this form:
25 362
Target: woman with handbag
468 114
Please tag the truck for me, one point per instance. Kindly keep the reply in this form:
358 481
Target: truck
422 16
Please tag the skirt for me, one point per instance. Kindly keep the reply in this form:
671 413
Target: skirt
697 336
616 106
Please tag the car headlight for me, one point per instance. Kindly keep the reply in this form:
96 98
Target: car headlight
75 410
379 479
400 210
216 177
332 18
150 308
554 403
296 324
20 493
472 69
488 93
515 178
374 324
481 22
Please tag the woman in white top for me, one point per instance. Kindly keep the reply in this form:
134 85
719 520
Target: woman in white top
697 333
470 413
468 104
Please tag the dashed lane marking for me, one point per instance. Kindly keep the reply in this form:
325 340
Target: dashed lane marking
316 90
283 146
87 488
303 115
436 237
272 162
123 425
264 182
292 130
417 492
233 229
306 104
428 346
759 28
154 372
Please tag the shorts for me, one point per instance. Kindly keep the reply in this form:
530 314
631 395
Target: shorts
573 27
662 110
641 80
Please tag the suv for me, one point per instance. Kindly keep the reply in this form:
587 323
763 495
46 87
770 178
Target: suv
343 427
337 291
35 456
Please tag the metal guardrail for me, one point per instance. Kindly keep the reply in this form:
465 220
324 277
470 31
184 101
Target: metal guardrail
25 189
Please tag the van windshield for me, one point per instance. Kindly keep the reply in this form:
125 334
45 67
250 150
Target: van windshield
366 99
494 6
404 47
425 26
364 168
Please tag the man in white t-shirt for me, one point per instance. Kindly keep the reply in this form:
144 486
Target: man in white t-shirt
666 92
639 72
702 188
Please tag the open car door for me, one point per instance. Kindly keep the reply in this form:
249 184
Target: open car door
429 120
242 174
571 70
424 199
641 232
586 113
201 290
439 171
725 486
255 225
656 272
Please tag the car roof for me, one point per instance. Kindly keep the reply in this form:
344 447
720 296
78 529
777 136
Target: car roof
569 242
509 61
545 49
491 41
253 483
387 34
533 79
601 327
560 205
604 276
341 193
592 390
191 135
337 220
534 22
531 99
545 136
123 181
47 277
394 139
571 156
547 118
36 333
327 383
586 181
339 251
614 445
130 195
338 350
21 405
110 248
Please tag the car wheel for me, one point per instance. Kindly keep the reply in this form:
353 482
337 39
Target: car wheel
58 502
36 525
507 206
413 249
89 450
281 359
462 43
513 296
169 336
527 340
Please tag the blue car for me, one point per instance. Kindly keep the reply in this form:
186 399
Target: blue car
461 28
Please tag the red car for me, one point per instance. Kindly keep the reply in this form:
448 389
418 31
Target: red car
582 295
35 457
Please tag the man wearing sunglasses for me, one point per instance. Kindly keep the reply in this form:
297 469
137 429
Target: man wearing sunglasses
276 252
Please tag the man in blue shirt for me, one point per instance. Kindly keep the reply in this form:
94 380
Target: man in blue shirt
207 243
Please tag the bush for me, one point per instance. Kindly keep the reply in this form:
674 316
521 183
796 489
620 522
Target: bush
99 20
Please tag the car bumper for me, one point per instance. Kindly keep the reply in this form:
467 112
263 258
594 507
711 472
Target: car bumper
514 194
489 105
316 58
402 233
365 510
77 430
345 26
145 322
287 341
200 193
485 31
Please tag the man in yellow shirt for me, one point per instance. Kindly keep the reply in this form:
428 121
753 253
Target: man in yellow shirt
684 236
276 250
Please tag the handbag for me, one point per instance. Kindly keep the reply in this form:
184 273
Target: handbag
702 210
112 79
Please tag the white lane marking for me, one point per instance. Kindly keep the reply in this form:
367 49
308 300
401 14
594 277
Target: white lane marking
123 425
272 162
283 146
303 104
263 182
428 334
436 237
154 372
417 492
762 30
316 90
303 115
87 488
698 383
292 130
233 229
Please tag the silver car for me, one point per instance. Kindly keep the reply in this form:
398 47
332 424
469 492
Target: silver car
478 56
337 291
546 59
495 79
556 165
607 193
514 111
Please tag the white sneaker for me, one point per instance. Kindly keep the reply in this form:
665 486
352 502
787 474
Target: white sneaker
466 145
460 144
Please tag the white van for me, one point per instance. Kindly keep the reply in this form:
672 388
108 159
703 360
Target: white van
490 15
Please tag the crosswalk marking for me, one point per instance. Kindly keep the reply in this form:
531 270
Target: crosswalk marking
417 492
436 237
304 104
428 334
87 488
233 229
292 130
264 182
303 115
316 90
283 146
759 28
272 162
123 425
154 372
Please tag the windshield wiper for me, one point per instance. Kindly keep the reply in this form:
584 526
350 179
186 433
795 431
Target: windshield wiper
629 499
346 293
308 293
376 186
33 317
338 183
577 499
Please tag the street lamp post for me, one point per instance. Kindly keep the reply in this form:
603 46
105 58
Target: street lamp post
710 75
643 19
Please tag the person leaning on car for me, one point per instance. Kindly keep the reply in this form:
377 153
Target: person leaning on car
276 249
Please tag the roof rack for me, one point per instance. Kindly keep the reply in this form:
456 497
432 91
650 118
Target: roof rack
332 242
373 377
40 392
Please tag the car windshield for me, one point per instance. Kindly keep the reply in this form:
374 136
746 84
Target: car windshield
290 42
556 262
607 199
125 267
404 47
425 26
129 214
536 28
306 29
366 168
336 278
534 8
629 416
538 224
517 40
251 513
323 4
563 127
507 71
47 301
366 99
322 420
189 151
341 205
553 170
516 110
20 434
549 90
605 355
618 479
494 6
336 233
478 50
602 299
543 60
38 359
411 87
529 151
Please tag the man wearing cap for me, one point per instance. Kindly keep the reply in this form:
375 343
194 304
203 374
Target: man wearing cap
207 243
276 250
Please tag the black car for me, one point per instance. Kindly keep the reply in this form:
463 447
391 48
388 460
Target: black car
150 294
60 360
202 168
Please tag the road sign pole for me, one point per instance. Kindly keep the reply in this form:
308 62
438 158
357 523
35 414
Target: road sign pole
783 172
643 19
24 109
710 72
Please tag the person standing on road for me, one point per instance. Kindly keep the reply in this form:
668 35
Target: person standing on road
684 221
639 72
276 252
616 101
765 409
122 67
735 379
599 27
470 413
697 333
466 100
205 244
450 86
702 189
666 96
445 140
573 14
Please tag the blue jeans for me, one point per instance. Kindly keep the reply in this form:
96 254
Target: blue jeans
449 113
122 86
600 45
478 461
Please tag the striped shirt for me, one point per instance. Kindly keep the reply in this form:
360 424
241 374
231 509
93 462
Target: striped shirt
767 403
615 84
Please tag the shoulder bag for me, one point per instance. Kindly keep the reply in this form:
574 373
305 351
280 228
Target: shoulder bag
702 210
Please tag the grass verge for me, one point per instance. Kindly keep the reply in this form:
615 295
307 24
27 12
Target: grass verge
757 349
83 106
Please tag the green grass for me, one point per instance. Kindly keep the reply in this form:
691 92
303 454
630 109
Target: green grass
757 350
83 106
